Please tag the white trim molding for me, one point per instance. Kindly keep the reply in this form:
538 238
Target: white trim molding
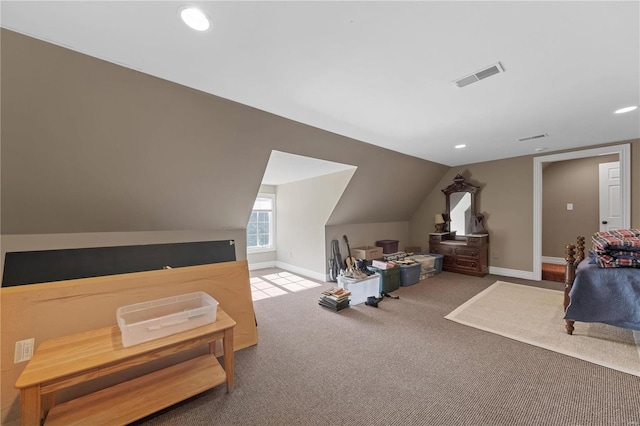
553 260
515 273
624 156
262 265
302 271
289 268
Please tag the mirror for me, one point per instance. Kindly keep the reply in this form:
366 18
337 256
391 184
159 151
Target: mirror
460 213
460 209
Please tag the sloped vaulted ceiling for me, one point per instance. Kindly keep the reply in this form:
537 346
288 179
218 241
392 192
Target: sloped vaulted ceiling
382 71
89 146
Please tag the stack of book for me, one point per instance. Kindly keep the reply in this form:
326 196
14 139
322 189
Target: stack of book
335 299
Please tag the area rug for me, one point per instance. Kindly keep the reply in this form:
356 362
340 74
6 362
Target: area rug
535 316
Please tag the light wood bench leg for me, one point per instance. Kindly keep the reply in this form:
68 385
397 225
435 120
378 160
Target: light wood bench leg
30 406
228 357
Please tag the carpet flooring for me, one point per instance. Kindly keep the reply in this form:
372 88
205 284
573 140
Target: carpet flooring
531 315
401 364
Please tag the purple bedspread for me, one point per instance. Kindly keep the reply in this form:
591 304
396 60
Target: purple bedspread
606 295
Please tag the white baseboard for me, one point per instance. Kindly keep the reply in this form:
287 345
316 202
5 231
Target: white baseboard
515 273
553 260
262 265
302 271
527 275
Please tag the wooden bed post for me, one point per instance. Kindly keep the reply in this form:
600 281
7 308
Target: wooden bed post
570 275
580 256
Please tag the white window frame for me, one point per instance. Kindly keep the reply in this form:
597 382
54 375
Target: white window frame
272 226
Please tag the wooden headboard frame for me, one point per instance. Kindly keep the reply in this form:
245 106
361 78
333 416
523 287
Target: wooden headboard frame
573 259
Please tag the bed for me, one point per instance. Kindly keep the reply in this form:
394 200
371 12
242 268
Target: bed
604 286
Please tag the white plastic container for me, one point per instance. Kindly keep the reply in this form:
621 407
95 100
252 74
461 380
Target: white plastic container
360 289
158 318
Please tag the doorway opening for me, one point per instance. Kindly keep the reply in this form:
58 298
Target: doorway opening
624 156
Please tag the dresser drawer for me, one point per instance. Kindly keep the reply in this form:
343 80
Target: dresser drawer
468 257
453 250
477 240
467 251
437 237
448 261
466 263
442 249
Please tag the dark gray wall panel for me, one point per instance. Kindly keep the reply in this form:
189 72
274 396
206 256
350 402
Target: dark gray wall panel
32 267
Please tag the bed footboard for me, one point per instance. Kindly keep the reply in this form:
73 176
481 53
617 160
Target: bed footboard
572 258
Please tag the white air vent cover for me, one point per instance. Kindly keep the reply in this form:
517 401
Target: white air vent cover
479 75
528 138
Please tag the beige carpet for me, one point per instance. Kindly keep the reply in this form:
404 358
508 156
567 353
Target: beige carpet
535 316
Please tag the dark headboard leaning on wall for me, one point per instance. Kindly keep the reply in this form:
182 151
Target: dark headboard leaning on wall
33 267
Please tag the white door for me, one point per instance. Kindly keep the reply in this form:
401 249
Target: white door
610 202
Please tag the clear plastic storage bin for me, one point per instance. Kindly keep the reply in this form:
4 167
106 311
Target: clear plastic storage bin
360 289
409 274
158 318
389 278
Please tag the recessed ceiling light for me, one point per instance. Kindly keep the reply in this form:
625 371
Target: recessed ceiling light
626 109
194 18
540 149
460 146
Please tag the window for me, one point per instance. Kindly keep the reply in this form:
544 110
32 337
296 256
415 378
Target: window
261 226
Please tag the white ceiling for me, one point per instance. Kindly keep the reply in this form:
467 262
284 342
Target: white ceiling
286 168
382 72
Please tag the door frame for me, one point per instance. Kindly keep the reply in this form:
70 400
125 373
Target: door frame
624 156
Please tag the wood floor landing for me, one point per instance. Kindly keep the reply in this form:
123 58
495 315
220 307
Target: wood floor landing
553 272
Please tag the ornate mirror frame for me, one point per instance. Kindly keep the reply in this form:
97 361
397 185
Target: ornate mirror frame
459 185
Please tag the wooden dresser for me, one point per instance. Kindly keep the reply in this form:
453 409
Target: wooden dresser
466 255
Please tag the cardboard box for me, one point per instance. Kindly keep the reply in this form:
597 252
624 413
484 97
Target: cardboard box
367 252
379 264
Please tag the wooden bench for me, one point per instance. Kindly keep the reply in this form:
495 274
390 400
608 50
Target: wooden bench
70 360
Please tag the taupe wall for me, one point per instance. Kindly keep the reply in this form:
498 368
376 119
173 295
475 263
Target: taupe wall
576 182
89 146
506 200
366 234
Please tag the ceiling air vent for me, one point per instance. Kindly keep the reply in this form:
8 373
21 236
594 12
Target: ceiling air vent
479 75
528 138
